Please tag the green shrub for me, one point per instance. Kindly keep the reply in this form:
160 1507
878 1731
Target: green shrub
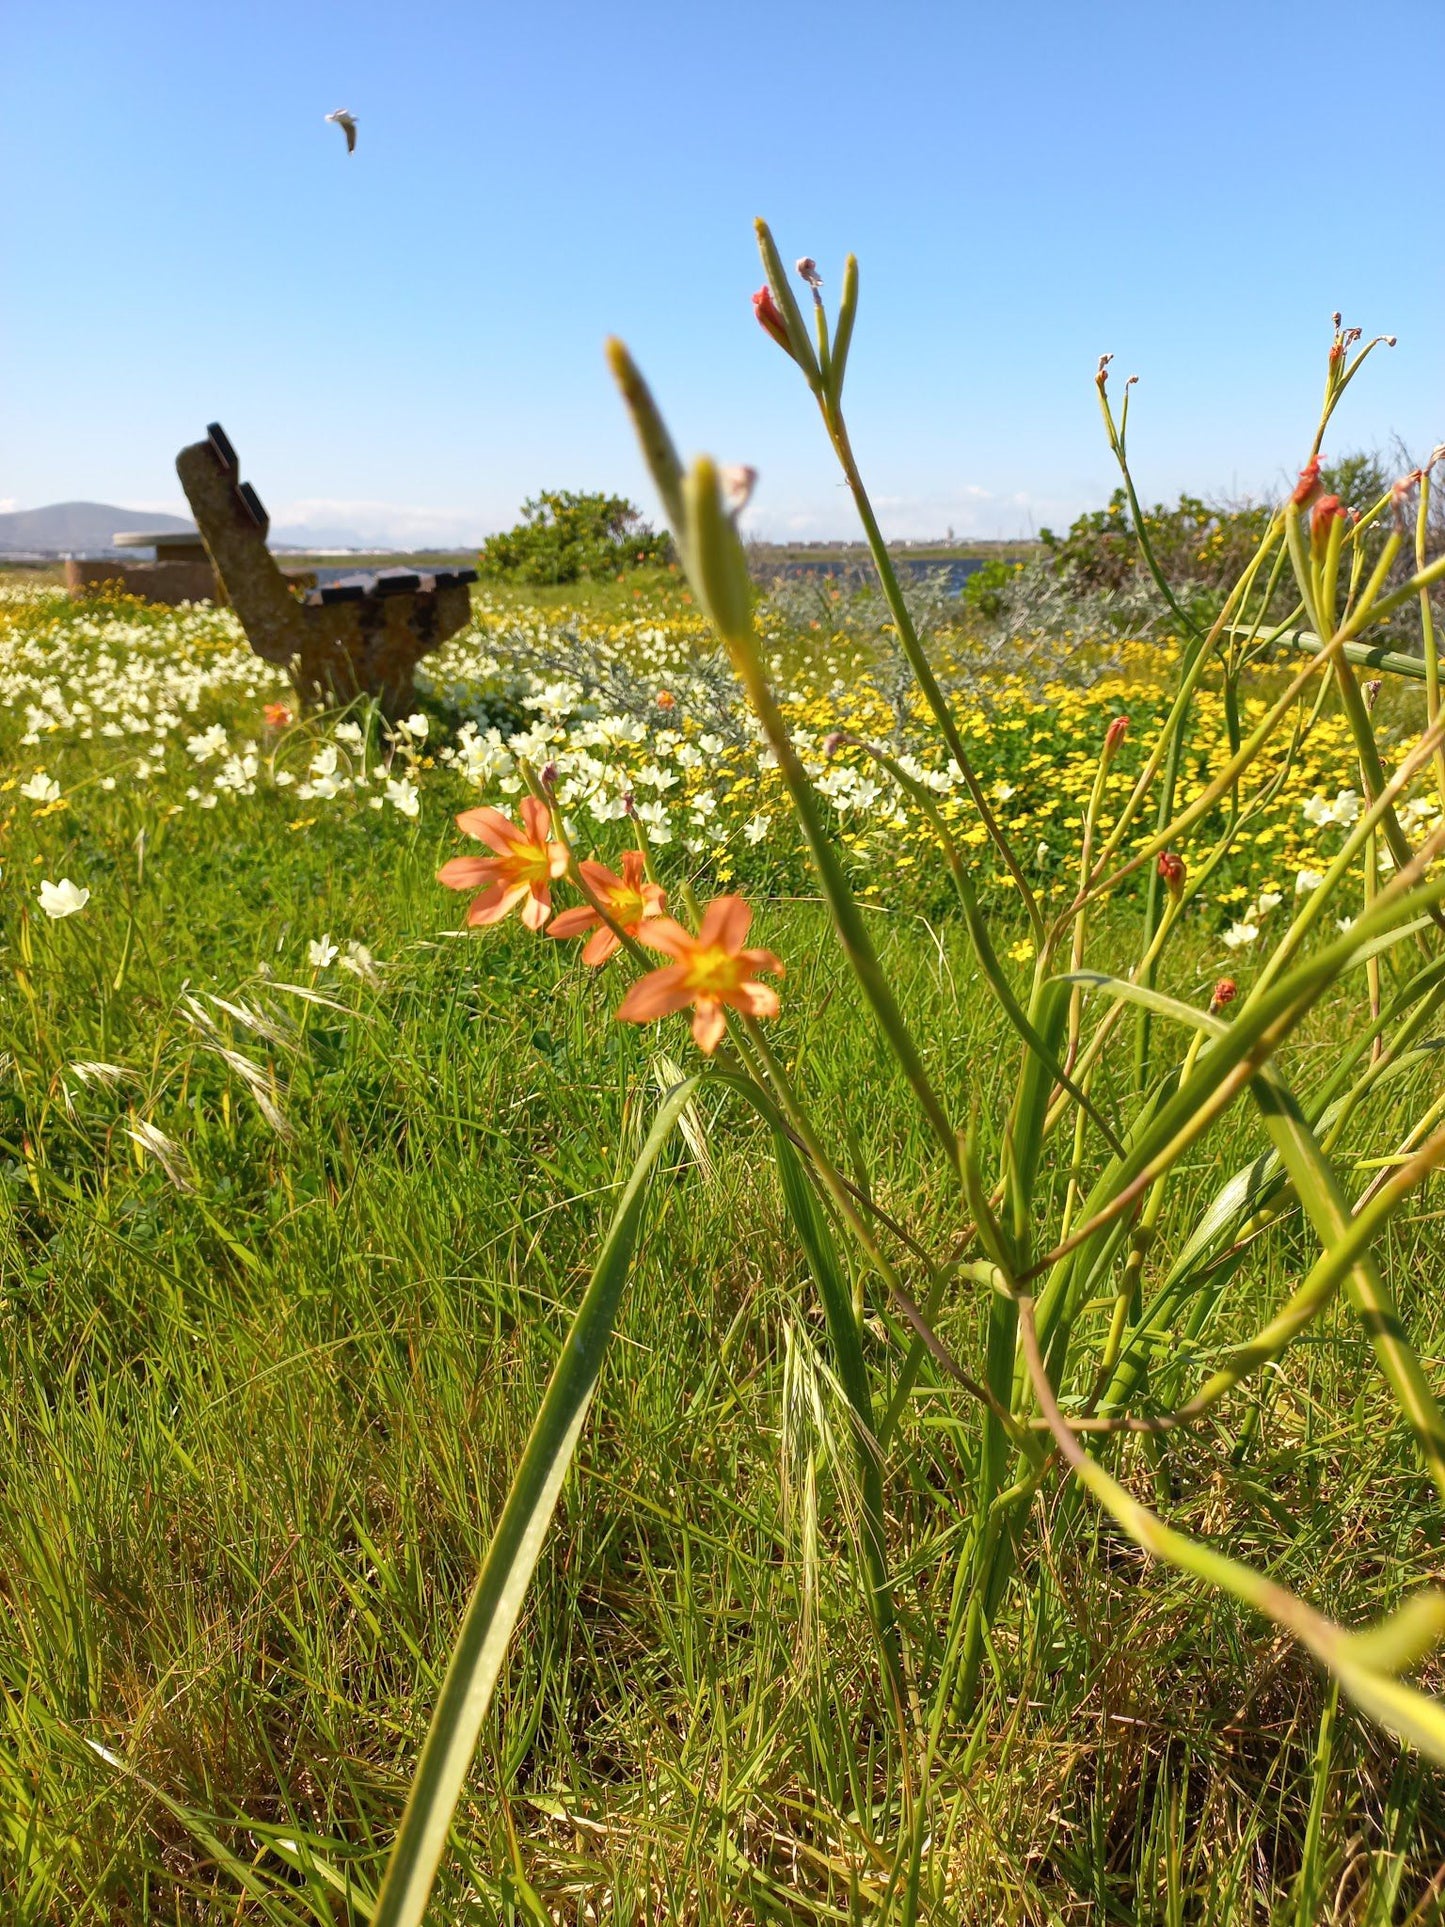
566 536
1201 547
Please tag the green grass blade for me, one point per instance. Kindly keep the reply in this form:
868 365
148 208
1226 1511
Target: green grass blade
486 1629
816 1237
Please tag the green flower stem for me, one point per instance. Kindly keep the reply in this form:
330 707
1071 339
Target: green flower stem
919 663
838 1191
1427 630
715 555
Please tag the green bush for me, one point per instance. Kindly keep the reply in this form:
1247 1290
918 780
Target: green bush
1201 547
565 536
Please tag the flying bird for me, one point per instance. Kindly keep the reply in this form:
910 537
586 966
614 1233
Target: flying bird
346 121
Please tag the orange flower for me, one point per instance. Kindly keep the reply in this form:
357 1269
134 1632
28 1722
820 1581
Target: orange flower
520 872
707 971
627 899
277 715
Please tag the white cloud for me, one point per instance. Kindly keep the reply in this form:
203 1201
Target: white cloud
390 524
970 510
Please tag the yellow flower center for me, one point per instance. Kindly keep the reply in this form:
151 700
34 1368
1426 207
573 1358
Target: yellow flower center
712 971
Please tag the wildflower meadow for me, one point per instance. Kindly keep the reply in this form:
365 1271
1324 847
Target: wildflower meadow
773 1261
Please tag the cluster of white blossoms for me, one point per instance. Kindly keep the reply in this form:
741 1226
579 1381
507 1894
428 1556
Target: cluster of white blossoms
1246 928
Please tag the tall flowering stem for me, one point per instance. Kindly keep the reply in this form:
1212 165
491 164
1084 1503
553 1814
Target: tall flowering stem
830 403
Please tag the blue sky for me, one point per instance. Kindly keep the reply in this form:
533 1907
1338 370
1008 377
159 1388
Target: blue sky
408 341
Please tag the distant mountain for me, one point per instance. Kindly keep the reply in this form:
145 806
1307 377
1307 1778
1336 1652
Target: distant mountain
78 527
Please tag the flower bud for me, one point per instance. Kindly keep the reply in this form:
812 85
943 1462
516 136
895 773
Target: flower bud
834 742
808 271
1115 733
1328 509
1372 691
1308 485
548 776
1225 992
766 310
1171 868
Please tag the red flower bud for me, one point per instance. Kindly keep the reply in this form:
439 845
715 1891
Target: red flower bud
1115 733
1171 868
1308 485
1225 992
769 317
1328 509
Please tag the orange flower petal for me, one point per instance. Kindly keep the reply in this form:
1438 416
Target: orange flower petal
763 960
489 826
572 923
708 1025
557 858
758 1000
668 936
599 946
658 994
492 905
633 869
724 924
466 872
599 879
536 819
538 907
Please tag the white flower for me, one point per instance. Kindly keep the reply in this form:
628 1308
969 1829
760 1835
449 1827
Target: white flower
324 762
654 817
350 734
402 796
62 899
1003 791
1240 933
321 954
756 828
1419 813
1041 854
284 779
211 742
41 788
1307 880
359 961
1346 808
415 725
1266 901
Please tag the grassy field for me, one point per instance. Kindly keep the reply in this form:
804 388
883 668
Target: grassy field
299 1184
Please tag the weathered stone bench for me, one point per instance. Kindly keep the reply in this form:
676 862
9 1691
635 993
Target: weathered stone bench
361 636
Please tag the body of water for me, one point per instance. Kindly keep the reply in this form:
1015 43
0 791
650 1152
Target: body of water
951 571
